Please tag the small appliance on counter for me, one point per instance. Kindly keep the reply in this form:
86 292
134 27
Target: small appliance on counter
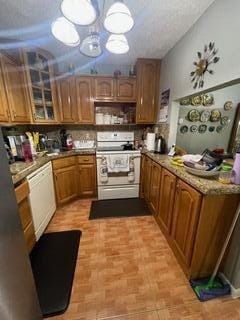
43 142
160 145
15 143
150 141
66 140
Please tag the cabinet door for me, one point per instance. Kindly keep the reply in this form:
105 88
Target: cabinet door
87 180
67 100
65 184
155 187
166 200
16 88
4 107
148 72
126 89
85 104
147 178
104 88
185 221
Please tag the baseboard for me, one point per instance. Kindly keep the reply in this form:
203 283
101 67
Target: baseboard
235 293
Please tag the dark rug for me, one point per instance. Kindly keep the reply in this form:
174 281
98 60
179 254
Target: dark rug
118 208
53 262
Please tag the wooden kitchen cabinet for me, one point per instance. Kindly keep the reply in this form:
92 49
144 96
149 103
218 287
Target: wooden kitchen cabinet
16 89
86 176
85 103
22 192
126 89
166 201
67 100
104 88
146 180
185 221
155 187
65 179
148 75
41 85
4 107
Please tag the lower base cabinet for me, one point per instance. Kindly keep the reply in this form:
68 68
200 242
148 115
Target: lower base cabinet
194 224
22 192
74 177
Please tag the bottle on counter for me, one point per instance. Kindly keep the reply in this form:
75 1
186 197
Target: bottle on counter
235 177
225 174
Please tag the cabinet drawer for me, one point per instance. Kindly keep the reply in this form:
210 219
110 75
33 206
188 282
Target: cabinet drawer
29 236
64 162
22 191
86 159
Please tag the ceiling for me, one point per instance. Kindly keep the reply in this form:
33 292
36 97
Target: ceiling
159 24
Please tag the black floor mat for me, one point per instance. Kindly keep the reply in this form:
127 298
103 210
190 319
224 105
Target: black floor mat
118 208
53 262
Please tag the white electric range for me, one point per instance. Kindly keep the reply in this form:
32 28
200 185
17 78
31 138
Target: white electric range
117 185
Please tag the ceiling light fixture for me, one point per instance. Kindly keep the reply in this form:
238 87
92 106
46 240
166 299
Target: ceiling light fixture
118 19
81 12
90 46
65 31
117 43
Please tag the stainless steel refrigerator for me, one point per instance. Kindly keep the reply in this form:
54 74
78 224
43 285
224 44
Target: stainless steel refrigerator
18 297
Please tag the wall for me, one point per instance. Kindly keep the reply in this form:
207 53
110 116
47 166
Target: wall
197 142
221 24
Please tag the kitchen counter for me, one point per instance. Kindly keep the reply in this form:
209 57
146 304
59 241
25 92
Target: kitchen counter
20 170
209 186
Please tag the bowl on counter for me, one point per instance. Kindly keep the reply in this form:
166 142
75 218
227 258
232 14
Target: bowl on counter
203 173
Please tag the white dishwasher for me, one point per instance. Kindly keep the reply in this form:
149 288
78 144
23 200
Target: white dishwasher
42 197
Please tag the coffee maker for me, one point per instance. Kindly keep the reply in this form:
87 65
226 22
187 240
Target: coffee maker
160 145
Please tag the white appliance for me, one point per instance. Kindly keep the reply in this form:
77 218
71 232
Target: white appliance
150 143
117 185
42 197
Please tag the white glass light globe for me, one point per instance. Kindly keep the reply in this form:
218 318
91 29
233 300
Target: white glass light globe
117 43
80 12
65 31
118 19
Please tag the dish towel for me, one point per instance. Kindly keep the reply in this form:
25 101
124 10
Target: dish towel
118 163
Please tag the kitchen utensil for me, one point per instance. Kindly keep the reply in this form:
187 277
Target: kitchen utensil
215 115
207 100
202 128
228 105
184 129
127 146
193 115
211 157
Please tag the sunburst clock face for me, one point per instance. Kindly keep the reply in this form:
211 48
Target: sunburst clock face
203 65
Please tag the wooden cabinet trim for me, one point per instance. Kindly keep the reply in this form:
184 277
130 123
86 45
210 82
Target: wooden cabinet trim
63 162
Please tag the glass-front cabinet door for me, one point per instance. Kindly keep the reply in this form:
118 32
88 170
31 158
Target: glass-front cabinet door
42 85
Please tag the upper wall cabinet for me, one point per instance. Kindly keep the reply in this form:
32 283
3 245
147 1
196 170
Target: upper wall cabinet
126 89
104 88
67 100
15 105
85 103
40 75
4 107
148 75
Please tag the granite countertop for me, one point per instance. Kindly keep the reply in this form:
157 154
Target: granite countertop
20 170
209 186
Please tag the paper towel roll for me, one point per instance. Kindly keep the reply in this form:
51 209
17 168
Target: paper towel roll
150 141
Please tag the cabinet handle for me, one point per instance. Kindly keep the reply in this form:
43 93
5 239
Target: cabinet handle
8 113
141 102
34 116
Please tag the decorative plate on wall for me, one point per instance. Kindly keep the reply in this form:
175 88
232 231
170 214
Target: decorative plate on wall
196 101
194 128
185 102
193 115
202 128
224 121
205 116
211 129
207 100
184 129
215 115
219 129
228 105
205 60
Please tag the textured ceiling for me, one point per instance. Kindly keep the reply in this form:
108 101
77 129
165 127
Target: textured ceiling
159 24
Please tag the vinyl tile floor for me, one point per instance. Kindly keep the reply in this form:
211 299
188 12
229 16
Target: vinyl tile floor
126 271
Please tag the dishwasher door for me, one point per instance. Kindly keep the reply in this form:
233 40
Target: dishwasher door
42 198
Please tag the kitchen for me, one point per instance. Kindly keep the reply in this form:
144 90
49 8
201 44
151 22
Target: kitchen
79 134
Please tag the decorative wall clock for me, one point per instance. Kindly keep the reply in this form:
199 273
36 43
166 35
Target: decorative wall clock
202 65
